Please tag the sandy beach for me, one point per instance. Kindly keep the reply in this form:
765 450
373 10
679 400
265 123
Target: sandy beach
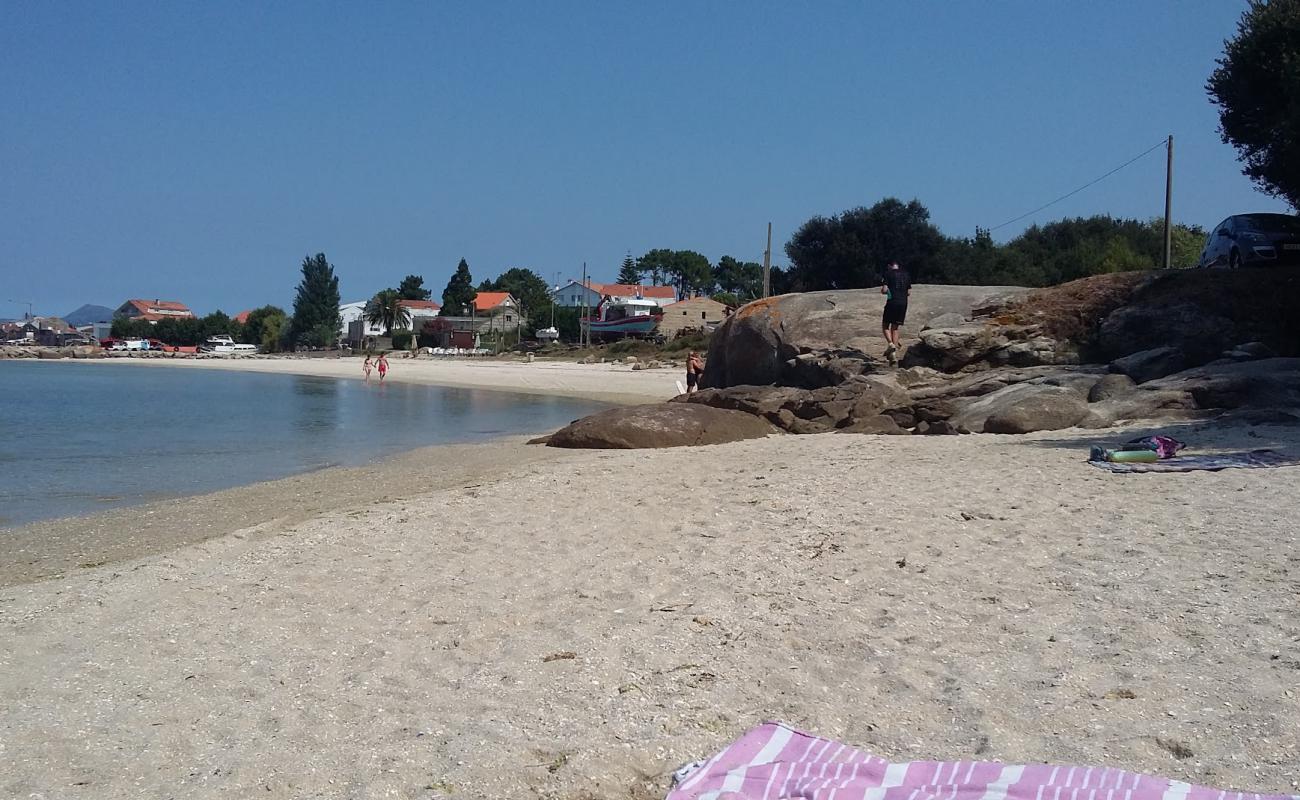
580 624
610 383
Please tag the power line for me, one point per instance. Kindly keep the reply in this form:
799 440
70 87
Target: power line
1156 146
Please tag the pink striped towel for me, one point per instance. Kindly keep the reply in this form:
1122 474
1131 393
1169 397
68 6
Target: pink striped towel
775 761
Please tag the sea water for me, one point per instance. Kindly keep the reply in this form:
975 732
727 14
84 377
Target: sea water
78 438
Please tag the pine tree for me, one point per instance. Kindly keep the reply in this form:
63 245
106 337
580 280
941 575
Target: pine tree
459 294
629 274
316 319
412 288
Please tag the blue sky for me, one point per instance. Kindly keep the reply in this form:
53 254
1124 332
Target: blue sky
198 151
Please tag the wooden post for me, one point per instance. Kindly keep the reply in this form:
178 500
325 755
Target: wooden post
1169 193
767 264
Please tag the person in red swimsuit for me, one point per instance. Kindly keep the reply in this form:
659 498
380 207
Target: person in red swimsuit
383 366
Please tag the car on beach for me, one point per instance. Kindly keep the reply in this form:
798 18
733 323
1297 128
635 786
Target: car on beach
1253 240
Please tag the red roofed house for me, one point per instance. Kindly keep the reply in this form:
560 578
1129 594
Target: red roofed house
494 312
574 294
242 317
153 310
421 311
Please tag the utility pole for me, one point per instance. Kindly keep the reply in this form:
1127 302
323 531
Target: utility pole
27 303
767 264
584 334
1169 192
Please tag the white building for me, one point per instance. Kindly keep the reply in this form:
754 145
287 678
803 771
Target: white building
353 312
575 294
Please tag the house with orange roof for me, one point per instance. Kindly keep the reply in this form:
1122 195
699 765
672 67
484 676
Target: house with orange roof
242 317
493 313
153 310
576 294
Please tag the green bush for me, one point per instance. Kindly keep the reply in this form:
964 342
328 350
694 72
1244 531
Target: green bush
695 340
401 340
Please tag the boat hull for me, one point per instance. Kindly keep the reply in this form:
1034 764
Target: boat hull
628 326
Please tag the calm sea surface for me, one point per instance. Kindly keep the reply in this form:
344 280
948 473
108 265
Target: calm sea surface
79 438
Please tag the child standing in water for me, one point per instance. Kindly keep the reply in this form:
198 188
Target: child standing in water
383 366
366 367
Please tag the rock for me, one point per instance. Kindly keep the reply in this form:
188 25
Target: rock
950 349
1195 330
949 320
934 410
50 354
1110 387
764 401
1249 351
1147 365
1022 408
754 345
660 425
631 359
879 424
878 394
942 428
903 417
87 351
1261 416
1037 351
1269 382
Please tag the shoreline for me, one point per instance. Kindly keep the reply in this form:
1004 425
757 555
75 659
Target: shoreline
608 383
58 548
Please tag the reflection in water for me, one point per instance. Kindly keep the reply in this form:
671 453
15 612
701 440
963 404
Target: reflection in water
124 436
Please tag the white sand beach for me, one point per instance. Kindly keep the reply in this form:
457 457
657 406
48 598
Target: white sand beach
613 383
579 625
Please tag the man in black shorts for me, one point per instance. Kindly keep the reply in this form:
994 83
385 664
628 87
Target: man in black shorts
896 285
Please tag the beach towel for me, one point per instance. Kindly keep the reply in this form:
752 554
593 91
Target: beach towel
1252 459
776 761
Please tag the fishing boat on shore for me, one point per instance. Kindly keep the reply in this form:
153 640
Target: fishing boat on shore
224 345
611 319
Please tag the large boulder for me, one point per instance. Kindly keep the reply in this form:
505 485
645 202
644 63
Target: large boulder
952 348
1110 387
1023 408
1147 365
1266 383
879 424
1198 332
757 343
660 425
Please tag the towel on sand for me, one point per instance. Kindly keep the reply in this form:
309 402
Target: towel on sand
776 761
1252 459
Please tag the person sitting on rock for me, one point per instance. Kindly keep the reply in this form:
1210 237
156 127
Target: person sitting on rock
896 286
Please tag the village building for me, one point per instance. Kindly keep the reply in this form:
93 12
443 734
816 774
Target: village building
576 294
493 313
153 310
694 314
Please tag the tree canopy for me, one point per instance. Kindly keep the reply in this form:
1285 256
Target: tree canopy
688 270
741 280
386 309
850 249
412 288
459 294
1257 89
316 319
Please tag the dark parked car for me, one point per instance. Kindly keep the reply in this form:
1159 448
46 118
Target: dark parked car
1253 240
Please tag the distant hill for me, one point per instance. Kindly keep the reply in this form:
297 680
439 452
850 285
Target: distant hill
88 314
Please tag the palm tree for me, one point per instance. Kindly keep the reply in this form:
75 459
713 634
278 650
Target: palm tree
386 309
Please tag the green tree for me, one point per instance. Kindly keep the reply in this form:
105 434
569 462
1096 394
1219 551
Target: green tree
459 294
628 273
259 322
529 289
744 279
688 270
316 319
412 288
386 309
1257 89
850 249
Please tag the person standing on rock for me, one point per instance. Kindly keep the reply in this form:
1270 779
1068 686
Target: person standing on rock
694 366
896 286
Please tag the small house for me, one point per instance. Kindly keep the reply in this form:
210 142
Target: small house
153 310
697 313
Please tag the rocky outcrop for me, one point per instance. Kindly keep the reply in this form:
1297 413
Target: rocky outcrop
1147 365
1194 330
660 425
837 333
809 410
1023 408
